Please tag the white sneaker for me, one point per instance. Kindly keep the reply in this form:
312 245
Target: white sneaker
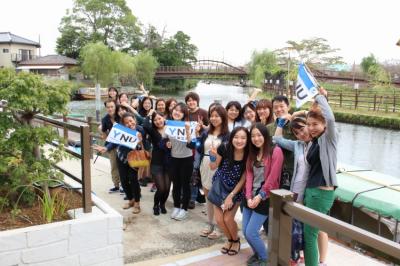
181 215
175 212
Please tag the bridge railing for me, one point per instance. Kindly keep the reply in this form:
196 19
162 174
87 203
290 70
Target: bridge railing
283 210
197 69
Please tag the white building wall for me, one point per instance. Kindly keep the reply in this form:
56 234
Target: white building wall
5 58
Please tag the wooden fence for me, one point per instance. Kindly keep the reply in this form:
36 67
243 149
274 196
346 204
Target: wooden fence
352 99
283 210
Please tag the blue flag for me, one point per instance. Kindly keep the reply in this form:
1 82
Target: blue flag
306 86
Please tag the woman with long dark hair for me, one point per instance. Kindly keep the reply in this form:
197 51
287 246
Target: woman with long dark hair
129 179
160 106
169 105
264 113
112 94
263 171
155 128
123 98
227 184
145 106
207 143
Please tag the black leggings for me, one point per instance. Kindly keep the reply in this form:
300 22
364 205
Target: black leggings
163 184
181 173
129 181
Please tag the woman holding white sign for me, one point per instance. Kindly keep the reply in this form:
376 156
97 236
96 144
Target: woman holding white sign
181 162
128 175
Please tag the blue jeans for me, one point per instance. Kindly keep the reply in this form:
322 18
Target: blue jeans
251 224
194 189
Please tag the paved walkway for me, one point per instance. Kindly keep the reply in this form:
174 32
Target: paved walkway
158 240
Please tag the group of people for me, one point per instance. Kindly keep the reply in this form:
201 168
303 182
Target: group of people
240 153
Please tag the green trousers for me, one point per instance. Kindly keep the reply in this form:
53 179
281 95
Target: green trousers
321 201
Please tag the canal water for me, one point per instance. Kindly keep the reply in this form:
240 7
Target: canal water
366 147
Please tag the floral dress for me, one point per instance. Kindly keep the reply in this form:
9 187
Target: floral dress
228 174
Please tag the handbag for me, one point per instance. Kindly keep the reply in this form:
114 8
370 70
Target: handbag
217 193
138 158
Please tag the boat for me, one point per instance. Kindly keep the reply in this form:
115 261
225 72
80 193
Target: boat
368 200
88 93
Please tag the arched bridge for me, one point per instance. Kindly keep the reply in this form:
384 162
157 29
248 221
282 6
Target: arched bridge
201 69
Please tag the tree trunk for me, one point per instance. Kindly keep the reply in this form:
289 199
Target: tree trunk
36 148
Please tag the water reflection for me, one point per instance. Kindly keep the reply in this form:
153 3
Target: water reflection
370 148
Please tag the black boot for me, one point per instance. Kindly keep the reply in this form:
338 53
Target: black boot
163 209
156 210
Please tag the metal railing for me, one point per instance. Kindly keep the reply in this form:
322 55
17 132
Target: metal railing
283 210
84 156
22 57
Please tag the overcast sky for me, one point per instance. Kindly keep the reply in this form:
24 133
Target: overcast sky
232 29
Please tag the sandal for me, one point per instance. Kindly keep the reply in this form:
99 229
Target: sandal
213 235
232 252
207 230
128 205
224 249
136 208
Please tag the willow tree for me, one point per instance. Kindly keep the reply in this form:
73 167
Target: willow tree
97 62
262 63
145 66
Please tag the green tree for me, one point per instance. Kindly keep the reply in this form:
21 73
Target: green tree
98 63
108 21
369 64
72 39
22 143
145 66
377 74
260 64
313 52
176 51
152 39
123 68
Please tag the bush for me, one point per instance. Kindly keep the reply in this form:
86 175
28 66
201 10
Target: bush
367 120
23 159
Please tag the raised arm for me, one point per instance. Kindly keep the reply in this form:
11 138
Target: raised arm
279 139
327 113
